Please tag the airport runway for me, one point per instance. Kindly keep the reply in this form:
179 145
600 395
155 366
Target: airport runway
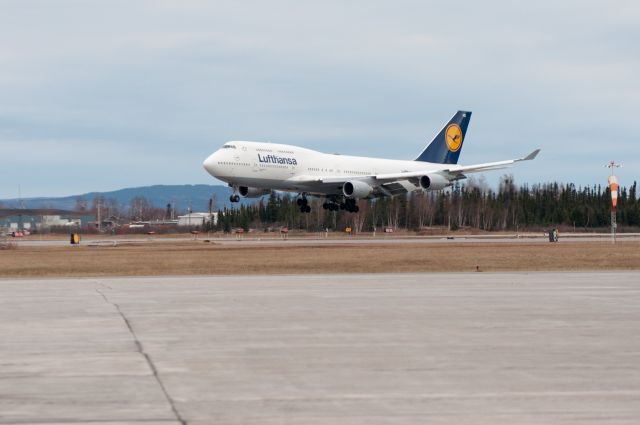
477 348
260 239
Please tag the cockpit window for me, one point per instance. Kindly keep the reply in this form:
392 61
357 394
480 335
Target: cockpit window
228 146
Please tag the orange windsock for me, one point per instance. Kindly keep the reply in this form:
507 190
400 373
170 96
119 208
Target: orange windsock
613 187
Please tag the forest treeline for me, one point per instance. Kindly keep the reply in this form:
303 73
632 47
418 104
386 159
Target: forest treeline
469 205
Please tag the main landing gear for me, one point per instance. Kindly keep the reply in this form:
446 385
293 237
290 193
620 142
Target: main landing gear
348 204
235 196
332 204
304 205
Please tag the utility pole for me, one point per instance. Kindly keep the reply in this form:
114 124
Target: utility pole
21 206
98 207
210 225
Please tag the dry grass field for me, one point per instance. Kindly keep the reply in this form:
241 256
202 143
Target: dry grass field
185 258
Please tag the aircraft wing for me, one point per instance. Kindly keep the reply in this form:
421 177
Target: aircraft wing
456 172
395 183
460 169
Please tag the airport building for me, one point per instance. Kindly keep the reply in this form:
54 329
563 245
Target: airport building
198 219
45 220
49 221
194 219
14 220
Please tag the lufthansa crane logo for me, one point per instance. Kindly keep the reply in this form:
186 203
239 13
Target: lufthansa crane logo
453 136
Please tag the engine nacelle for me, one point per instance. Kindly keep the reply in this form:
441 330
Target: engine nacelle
434 182
252 192
356 189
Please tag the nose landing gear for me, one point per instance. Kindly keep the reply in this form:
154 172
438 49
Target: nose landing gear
235 196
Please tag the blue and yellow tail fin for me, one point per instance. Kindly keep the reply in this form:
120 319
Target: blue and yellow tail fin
446 146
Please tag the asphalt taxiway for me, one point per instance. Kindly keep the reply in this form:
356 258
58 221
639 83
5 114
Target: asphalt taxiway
474 348
260 239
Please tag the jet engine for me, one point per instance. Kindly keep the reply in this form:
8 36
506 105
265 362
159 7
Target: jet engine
252 192
356 189
434 182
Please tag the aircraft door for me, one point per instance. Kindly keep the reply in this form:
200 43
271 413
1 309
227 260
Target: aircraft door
234 164
293 169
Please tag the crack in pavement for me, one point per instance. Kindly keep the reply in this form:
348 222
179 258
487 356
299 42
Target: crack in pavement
147 357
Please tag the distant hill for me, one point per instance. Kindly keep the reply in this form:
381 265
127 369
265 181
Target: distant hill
181 196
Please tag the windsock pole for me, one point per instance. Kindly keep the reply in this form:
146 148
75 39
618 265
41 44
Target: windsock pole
613 189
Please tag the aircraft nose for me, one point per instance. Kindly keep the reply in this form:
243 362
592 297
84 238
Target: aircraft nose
210 163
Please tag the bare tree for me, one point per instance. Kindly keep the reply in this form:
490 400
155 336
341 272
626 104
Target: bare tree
81 204
394 213
360 217
213 201
112 208
141 209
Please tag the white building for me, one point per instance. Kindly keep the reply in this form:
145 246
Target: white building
55 220
197 219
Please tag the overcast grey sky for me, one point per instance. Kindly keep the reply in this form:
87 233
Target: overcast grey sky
100 95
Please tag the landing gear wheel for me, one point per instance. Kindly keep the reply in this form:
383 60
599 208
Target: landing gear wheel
303 204
234 198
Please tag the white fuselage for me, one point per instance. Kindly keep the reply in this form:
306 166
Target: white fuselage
289 168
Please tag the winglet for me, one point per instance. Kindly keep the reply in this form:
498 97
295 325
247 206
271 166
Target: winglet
531 156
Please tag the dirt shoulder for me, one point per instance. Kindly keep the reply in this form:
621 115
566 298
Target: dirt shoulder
197 257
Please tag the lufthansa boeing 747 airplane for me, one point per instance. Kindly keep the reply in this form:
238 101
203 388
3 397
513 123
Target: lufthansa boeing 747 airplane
254 169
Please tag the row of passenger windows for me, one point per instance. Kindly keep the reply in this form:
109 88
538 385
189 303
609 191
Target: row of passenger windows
257 149
271 151
358 173
246 164
322 170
